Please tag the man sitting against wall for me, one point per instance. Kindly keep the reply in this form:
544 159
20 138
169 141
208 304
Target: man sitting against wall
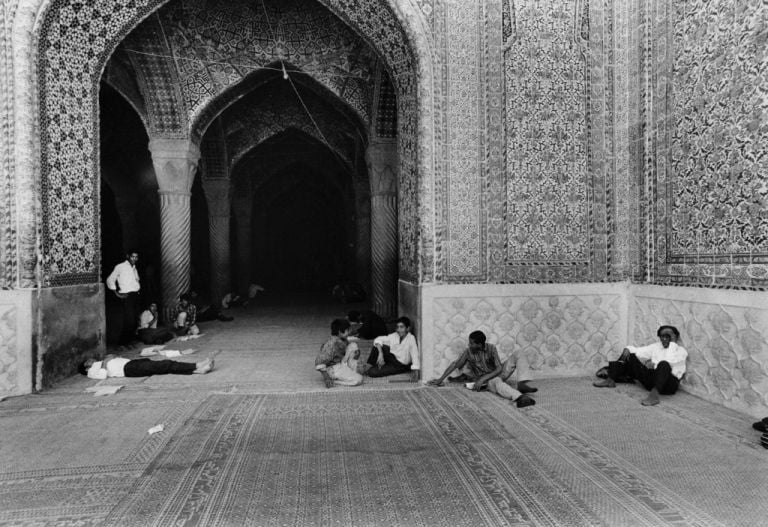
659 366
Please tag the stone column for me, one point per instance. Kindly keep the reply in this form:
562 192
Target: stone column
363 234
382 161
217 194
175 162
242 206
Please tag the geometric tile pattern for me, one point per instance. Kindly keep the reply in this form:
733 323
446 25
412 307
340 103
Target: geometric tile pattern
558 334
9 354
214 49
705 187
76 39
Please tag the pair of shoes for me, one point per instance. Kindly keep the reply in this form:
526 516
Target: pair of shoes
602 372
762 425
606 383
524 401
523 387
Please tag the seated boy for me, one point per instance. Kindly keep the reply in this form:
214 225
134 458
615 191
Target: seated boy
330 361
184 317
486 371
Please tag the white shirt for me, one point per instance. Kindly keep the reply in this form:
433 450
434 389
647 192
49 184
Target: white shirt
147 320
126 277
406 352
115 368
675 355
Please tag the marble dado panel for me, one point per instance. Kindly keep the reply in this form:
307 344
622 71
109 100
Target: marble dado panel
15 342
725 333
562 329
706 114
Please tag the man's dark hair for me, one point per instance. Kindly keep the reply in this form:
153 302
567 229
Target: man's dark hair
129 252
404 321
672 328
82 368
353 316
477 337
184 296
339 325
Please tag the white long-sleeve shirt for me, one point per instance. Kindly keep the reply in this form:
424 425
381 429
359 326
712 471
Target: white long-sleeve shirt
115 368
406 352
675 355
147 320
126 277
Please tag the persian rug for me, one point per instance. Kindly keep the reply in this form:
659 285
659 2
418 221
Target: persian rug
415 457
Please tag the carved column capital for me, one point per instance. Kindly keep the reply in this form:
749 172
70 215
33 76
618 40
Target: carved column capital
175 162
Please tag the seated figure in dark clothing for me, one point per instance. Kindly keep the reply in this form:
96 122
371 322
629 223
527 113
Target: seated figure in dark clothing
395 353
205 311
659 366
372 325
149 332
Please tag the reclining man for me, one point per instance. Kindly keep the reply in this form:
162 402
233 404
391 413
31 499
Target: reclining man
331 363
659 366
487 371
113 366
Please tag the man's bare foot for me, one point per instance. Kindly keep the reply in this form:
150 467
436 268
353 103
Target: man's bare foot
605 383
204 366
652 399
327 379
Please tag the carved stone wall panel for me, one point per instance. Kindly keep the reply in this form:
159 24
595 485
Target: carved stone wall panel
9 352
8 264
560 334
704 180
558 203
726 339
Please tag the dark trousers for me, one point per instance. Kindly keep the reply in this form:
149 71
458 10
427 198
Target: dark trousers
155 335
660 377
147 367
130 314
391 365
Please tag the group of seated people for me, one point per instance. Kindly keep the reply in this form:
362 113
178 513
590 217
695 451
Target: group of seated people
659 367
398 352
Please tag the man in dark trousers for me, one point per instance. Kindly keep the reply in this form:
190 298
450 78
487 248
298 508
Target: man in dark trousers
124 282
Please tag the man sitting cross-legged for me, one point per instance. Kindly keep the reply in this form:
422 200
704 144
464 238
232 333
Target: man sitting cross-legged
487 371
113 366
659 366
331 363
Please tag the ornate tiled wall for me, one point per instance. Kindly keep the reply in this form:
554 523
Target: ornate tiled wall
705 193
15 342
556 200
562 329
725 333
76 39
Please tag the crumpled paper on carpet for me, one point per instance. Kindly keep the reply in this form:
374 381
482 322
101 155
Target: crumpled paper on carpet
189 337
108 389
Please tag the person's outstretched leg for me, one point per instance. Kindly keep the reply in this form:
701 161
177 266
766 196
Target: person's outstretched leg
517 363
504 390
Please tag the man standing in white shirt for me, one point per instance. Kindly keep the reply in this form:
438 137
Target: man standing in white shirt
124 282
394 353
659 366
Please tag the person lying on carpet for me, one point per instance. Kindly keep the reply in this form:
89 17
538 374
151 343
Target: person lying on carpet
488 372
330 361
113 366
394 353
659 366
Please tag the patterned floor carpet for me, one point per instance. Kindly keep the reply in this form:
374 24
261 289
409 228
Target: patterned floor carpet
237 452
